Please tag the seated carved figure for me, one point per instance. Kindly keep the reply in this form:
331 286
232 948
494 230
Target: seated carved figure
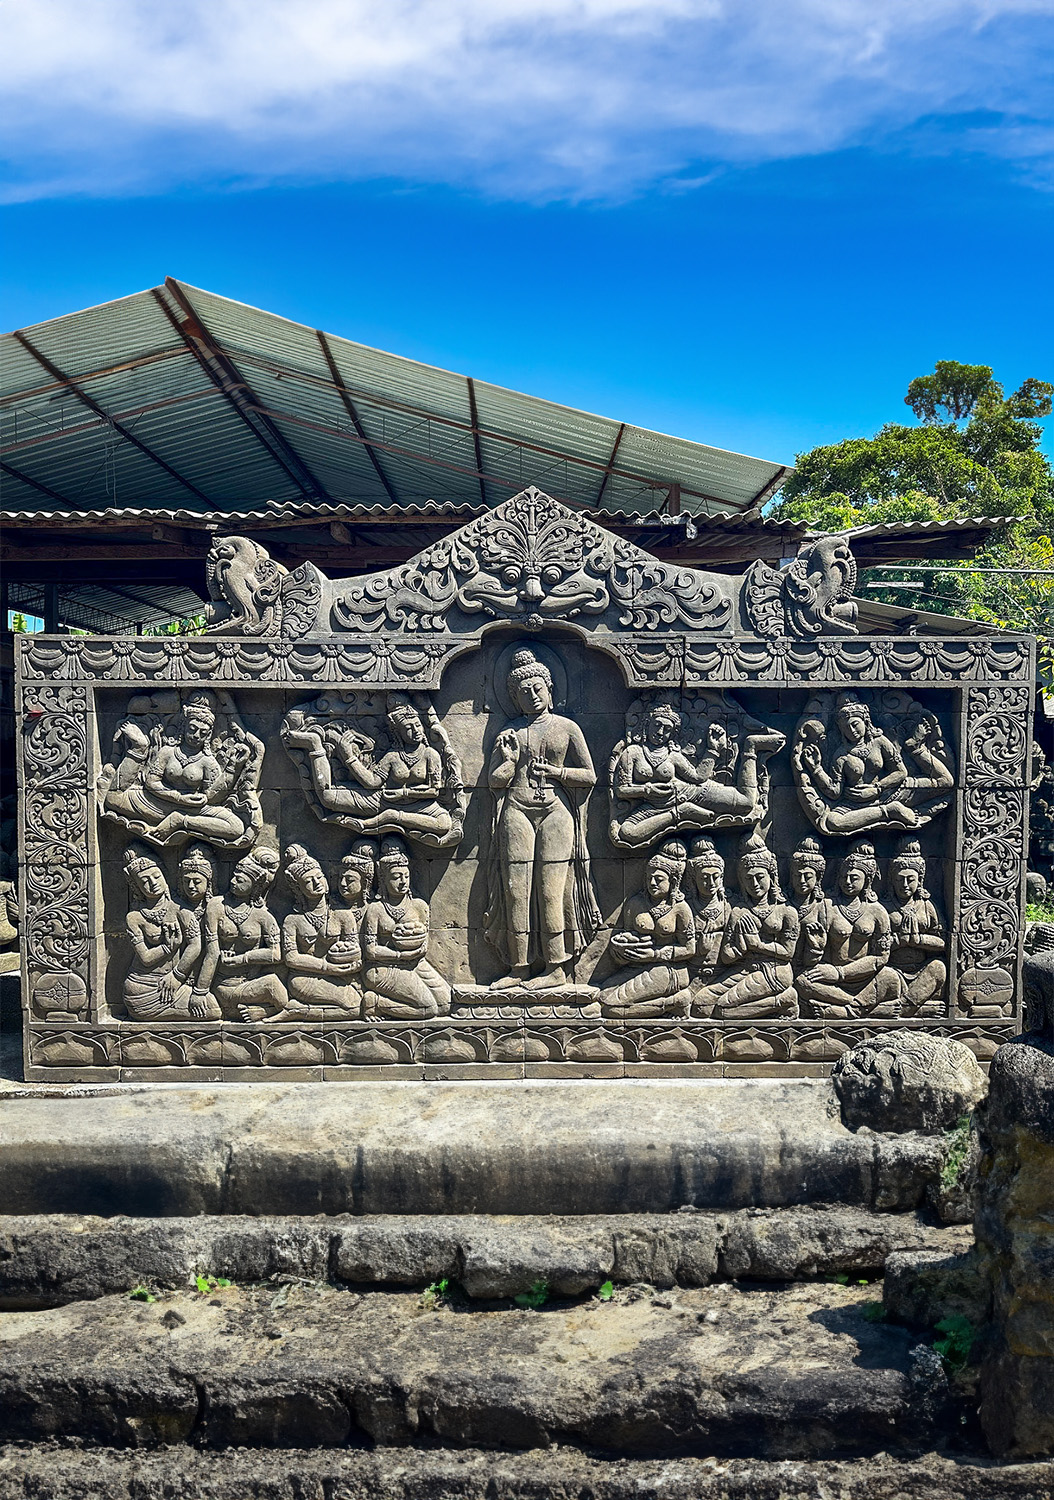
186 787
863 782
243 945
669 790
409 789
711 910
758 946
918 935
400 983
846 959
320 945
155 987
808 867
654 942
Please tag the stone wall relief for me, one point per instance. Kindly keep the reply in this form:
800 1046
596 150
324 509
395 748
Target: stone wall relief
688 762
866 762
182 768
378 764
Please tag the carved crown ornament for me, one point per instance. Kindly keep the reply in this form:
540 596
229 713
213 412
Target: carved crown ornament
531 561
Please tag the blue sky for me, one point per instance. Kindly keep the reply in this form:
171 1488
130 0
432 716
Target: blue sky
749 224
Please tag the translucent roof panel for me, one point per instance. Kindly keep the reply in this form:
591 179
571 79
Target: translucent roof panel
175 397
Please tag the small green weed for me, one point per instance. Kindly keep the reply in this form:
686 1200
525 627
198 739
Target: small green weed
606 1291
537 1295
840 1278
874 1312
957 1339
434 1294
142 1294
208 1284
958 1139
1035 913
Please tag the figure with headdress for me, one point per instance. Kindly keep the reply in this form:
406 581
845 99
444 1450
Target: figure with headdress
654 941
758 945
243 943
413 788
669 789
400 982
847 972
918 936
320 946
541 898
808 867
711 910
863 781
186 786
157 986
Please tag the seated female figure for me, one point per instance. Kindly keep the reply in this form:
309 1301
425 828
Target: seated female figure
655 941
757 948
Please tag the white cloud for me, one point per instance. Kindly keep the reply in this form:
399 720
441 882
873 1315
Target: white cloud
524 97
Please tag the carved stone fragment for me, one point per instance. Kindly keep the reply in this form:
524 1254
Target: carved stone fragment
909 1080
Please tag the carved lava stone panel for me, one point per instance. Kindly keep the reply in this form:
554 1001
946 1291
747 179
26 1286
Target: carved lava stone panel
532 803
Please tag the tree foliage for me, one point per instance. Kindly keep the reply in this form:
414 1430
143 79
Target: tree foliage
974 452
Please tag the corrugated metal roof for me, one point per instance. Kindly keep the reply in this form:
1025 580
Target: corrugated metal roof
177 400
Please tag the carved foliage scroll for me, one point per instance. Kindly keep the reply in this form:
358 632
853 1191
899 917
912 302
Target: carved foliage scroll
992 866
55 895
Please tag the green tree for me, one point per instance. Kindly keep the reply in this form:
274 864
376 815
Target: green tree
974 452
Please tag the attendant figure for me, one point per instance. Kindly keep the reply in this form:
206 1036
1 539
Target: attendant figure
399 793
196 878
758 946
654 943
320 946
808 867
867 783
671 791
400 982
155 989
538 877
848 973
243 944
711 910
183 791
917 934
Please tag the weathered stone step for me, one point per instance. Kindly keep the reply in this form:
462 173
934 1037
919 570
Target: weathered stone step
47 1260
54 1471
439 1148
800 1372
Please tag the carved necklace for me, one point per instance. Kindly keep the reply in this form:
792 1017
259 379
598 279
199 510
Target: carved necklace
396 912
239 915
411 757
318 919
656 753
852 911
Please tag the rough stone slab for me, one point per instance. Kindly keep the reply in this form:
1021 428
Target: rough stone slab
523 1148
51 1471
794 1373
46 1260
